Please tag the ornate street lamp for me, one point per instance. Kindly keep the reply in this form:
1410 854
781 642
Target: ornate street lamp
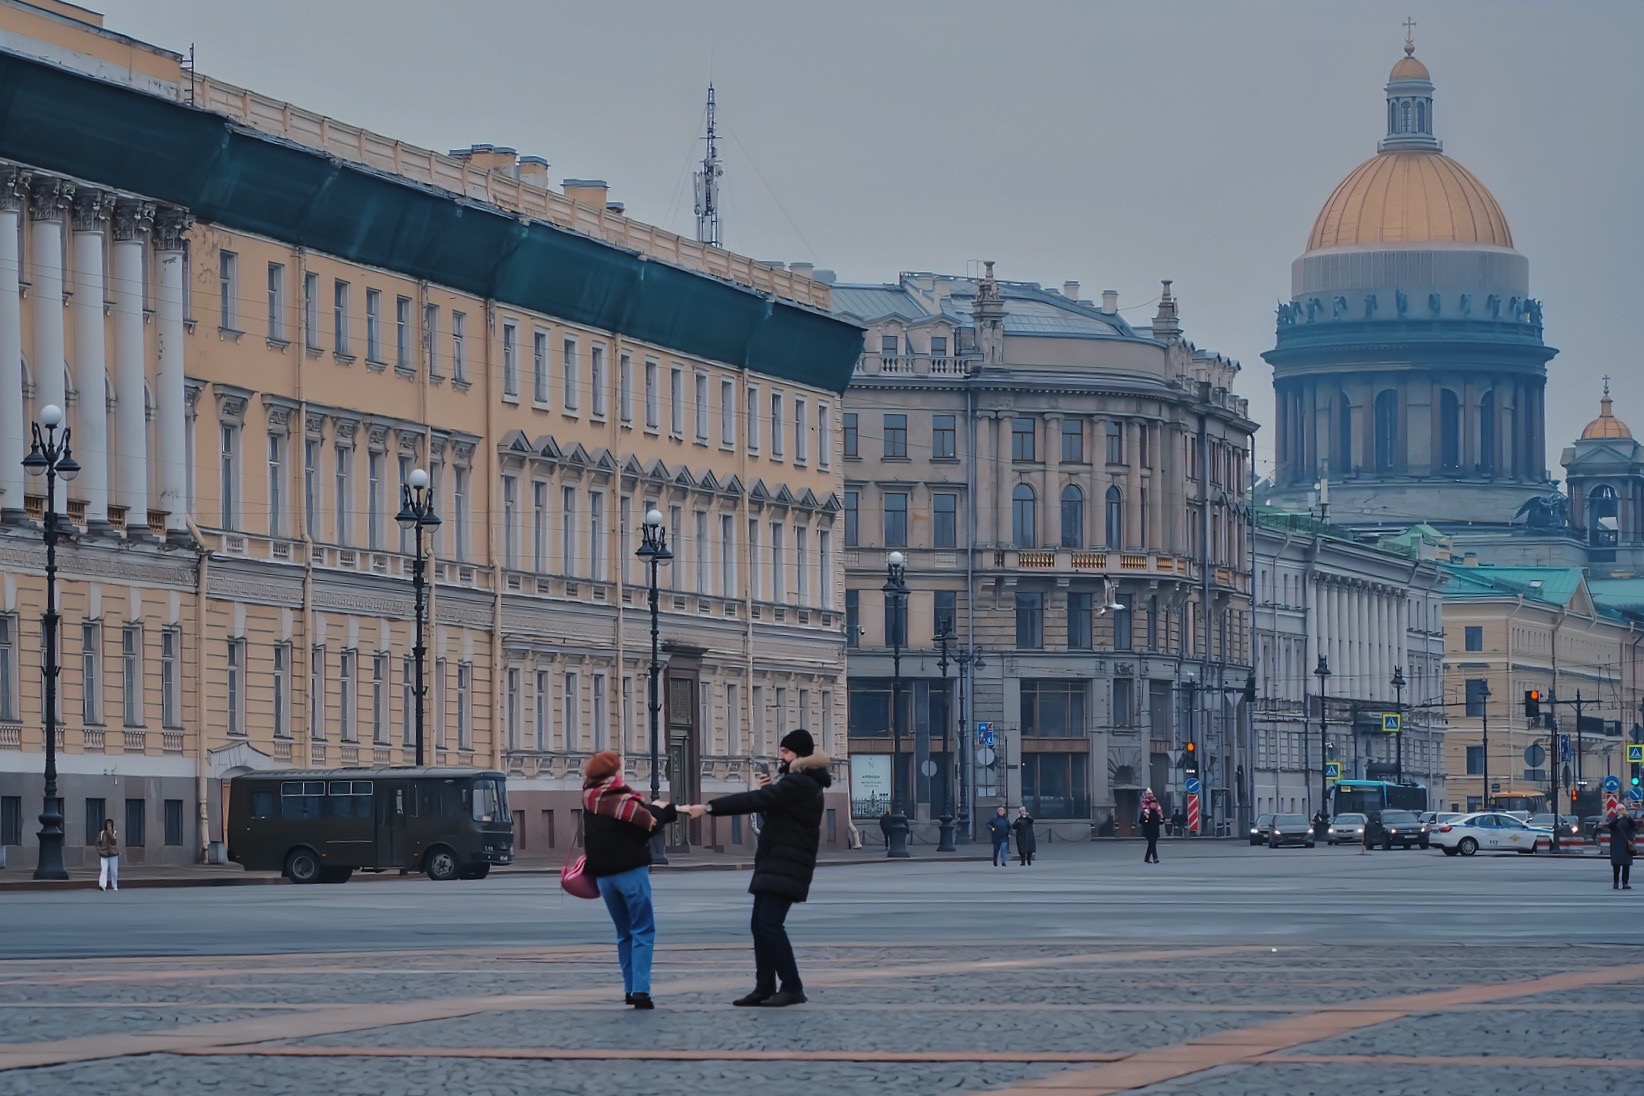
653 549
895 824
416 516
1322 672
51 457
970 660
945 819
1398 704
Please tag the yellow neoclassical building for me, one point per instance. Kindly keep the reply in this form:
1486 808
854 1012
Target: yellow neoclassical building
260 320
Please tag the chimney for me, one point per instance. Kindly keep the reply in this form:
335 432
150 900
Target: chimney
498 158
1110 302
533 170
802 269
589 192
825 276
615 207
1070 290
1470 559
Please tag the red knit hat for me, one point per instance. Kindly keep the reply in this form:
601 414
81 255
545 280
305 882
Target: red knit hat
601 767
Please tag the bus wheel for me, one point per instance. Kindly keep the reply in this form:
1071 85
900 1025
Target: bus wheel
478 871
440 864
302 866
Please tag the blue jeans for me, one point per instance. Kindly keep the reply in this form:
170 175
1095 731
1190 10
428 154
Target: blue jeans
628 900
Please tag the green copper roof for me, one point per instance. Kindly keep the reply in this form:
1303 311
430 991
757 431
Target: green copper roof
1553 585
232 176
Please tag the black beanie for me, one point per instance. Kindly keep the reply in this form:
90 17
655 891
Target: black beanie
799 742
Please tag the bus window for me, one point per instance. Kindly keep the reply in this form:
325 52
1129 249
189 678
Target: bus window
349 799
262 804
302 798
489 803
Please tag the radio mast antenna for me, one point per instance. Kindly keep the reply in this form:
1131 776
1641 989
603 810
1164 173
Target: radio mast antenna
707 184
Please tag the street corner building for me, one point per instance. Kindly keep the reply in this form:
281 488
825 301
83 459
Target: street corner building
1068 496
259 321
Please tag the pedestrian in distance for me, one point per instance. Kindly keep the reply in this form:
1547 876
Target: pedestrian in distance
108 856
999 830
1151 821
1026 842
1178 822
617 844
1623 848
1321 824
784 861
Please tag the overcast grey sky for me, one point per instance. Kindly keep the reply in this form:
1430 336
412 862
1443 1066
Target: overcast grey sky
1109 143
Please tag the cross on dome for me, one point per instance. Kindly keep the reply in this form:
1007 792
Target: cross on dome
1409 36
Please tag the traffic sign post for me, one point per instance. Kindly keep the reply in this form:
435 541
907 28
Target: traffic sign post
1332 770
1612 785
1193 813
984 734
1391 723
1193 785
1636 794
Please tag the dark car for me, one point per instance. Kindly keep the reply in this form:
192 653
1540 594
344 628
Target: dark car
1389 828
1261 828
1290 829
1568 824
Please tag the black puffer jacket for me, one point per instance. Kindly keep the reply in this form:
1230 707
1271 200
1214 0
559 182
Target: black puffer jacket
785 859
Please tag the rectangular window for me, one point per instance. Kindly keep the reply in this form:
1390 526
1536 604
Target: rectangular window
596 535
1123 625
431 338
402 334
727 556
1477 696
801 452
699 552
459 352
1030 621
91 673
567 531
174 822
282 690
347 695
755 588
276 485
676 402
11 820
896 437
339 317
625 389
1073 441
944 437
1053 708
539 368
316 693
753 419
1143 458
439 710
896 519
938 350
727 413
853 618
459 512
229 471
510 522
596 379
465 705
1475 760
311 488
9 700
96 813
571 701
408 700
512 702
602 739
573 377
234 704
311 310
1024 439
1079 621
776 426
1115 443
510 360
824 436
801 562
653 399
131 675
344 505
851 452
779 586
889 345
896 620
824 544
379 698
540 714
852 528
276 303
702 409
373 325
374 504
228 289
944 525
171 678
539 527
1474 634
1124 697
945 614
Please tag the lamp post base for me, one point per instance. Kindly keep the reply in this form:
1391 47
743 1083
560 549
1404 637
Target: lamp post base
659 848
946 827
895 829
50 864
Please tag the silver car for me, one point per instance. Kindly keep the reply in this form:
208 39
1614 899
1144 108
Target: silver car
1345 829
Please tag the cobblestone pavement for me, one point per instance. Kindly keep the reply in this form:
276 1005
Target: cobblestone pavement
1165 1018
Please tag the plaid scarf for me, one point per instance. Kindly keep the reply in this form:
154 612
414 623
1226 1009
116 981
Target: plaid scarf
614 799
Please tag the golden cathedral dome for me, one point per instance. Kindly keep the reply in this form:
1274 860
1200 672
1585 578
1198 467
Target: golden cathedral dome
1410 196
1409 68
1606 425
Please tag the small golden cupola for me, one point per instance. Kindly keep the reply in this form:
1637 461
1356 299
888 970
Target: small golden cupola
1606 425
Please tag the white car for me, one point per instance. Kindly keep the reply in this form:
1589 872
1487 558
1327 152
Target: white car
1490 831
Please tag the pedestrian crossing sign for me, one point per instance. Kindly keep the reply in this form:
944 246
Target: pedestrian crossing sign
1332 770
1635 755
1391 723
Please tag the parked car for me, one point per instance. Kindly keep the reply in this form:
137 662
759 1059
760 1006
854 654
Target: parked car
1492 832
1261 828
1290 829
1433 819
1389 828
1345 829
1592 825
1568 824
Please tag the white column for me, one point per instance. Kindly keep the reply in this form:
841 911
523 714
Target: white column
14 432
91 213
132 221
169 227
48 199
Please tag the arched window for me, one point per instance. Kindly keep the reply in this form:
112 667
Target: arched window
1115 517
1449 431
1487 434
1073 517
1404 110
1387 431
1603 517
1421 116
1344 435
1023 519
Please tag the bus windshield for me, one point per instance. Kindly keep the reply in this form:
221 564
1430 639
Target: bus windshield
1366 796
490 801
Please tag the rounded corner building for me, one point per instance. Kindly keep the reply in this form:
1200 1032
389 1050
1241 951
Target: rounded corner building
1409 359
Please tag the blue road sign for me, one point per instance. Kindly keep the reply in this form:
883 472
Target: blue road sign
1332 770
1193 785
984 733
1612 784
1564 747
1636 793
1391 723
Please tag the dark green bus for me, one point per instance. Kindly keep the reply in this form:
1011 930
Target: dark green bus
318 826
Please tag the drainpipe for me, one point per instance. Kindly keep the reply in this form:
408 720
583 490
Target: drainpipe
201 784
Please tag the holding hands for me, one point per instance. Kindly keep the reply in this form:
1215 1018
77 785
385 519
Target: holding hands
693 810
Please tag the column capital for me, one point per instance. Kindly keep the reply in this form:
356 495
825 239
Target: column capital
92 209
132 220
171 224
14 187
48 197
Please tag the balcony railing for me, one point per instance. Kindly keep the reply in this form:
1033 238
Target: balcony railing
1082 561
913 365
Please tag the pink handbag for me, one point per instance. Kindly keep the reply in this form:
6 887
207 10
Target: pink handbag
575 880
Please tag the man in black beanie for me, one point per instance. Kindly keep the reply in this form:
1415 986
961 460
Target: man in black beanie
783 863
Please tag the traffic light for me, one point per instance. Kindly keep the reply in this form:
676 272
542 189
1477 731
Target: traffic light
1190 759
1532 703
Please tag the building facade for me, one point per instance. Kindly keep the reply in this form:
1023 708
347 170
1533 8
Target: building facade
260 320
1375 616
1066 490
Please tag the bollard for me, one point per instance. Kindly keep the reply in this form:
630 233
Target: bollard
895 829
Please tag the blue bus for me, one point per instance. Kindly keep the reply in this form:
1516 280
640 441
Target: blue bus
1366 796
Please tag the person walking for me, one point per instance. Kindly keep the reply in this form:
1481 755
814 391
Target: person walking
617 842
1178 822
784 861
1623 848
1151 821
108 855
1027 843
999 830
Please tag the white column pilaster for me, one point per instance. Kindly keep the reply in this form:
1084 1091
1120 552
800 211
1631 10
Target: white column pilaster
48 203
14 431
91 214
132 222
169 227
